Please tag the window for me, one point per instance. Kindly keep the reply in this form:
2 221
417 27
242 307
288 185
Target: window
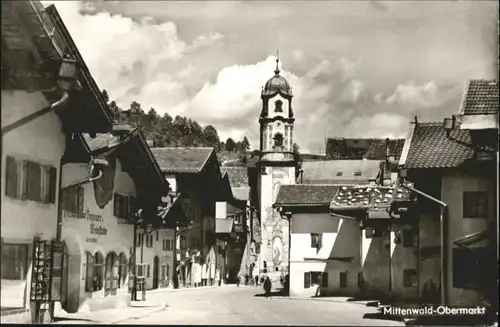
95 272
475 204
339 173
278 106
148 270
157 236
357 173
343 279
30 181
409 238
183 242
122 270
73 199
307 280
11 178
141 270
121 208
410 278
139 239
163 272
467 267
14 261
315 278
111 269
278 142
149 240
316 241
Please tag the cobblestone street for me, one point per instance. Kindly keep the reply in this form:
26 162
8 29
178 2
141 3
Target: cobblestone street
243 305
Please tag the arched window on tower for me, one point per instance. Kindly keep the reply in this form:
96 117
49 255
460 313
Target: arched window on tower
278 106
278 142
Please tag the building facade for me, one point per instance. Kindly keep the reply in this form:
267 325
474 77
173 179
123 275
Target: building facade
36 135
195 172
324 249
276 167
457 226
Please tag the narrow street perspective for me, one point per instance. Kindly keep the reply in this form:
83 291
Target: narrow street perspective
249 162
244 305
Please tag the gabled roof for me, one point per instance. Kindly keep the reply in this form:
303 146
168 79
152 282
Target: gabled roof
305 194
238 176
362 197
481 98
182 159
357 149
339 171
429 147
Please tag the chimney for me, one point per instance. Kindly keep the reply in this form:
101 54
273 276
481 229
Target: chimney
150 143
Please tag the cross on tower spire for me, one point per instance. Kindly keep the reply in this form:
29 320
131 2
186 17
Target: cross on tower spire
277 70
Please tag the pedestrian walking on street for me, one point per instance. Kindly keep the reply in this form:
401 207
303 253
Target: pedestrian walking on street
238 281
256 281
267 287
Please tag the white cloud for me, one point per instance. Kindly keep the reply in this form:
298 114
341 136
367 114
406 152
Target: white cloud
353 91
414 95
127 58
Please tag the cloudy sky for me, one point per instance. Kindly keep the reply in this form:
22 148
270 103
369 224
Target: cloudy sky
358 69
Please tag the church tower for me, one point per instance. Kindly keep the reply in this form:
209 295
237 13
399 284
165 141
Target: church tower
276 167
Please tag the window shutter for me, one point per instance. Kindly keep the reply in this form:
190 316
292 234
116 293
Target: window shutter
52 184
307 280
24 174
80 199
11 176
117 204
320 241
324 279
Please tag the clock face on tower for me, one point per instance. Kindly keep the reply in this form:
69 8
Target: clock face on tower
279 124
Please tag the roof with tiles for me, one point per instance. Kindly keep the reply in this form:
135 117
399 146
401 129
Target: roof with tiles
339 171
431 148
481 98
238 176
368 197
305 194
182 159
241 193
357 149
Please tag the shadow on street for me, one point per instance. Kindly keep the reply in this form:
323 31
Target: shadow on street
381 316
56 319
278 292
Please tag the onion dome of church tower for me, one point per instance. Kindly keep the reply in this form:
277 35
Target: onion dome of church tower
277 84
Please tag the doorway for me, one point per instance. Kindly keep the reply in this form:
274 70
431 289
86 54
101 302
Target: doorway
156 271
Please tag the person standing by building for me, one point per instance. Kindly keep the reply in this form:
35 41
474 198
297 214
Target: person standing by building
256 281
267 287
238 280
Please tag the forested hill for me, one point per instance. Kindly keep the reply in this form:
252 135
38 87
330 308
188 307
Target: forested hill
168 131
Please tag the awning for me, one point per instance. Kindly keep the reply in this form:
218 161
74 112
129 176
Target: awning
430 252
471 239
342 259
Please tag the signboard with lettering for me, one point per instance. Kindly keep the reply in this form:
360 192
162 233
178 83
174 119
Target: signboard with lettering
95 229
